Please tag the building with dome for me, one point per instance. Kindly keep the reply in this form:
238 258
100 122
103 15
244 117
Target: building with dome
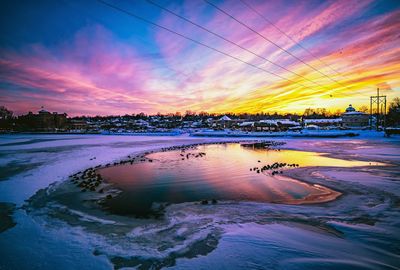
43 120
350 109
352 118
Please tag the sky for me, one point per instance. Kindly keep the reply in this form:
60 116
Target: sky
87 58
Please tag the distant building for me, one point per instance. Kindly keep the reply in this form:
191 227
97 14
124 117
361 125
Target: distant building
269 125
43 120
75 124
225 122
324 122
354 119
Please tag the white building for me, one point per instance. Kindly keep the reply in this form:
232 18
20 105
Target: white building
355 119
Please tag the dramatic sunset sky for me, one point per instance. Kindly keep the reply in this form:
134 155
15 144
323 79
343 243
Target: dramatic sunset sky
83 57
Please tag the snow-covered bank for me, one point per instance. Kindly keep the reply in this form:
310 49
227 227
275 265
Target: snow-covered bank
305 134
357 231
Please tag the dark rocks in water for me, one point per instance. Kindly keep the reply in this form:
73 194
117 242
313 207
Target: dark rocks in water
259 161
258 171
101 191
6 211
214 201
108 196
204 202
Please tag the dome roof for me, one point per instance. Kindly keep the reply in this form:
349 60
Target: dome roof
350 109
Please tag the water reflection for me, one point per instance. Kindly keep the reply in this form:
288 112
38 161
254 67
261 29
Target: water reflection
222 173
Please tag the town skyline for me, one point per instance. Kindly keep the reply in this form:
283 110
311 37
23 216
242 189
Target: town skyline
363 108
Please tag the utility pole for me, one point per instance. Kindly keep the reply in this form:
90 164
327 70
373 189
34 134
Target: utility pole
377 109
378 99
370 113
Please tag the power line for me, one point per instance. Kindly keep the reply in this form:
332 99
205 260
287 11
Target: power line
289 37
193 40
267 39
227 40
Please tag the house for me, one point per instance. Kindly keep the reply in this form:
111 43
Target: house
323 123
266 125
285 124
76 124
224 122
247 126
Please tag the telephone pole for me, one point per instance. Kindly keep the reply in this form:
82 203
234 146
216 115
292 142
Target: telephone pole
379 101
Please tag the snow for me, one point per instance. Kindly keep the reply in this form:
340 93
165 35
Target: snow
303 133
225 118
354 113
360 230
246 124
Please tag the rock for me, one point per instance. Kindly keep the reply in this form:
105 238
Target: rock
6 212
204 202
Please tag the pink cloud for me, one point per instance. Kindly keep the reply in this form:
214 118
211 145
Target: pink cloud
94 72
91 67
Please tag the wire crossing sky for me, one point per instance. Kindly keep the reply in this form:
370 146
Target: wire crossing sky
87 58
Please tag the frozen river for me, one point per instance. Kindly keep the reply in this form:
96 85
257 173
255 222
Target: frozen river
358 230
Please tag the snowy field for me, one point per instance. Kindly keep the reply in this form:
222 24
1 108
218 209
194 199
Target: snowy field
360 230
